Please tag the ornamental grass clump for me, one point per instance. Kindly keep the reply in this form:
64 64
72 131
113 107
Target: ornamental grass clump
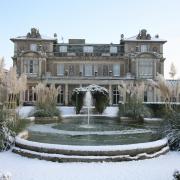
11 88
46 100
170 93
15 85
132 105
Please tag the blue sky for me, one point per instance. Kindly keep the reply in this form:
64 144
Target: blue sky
98 21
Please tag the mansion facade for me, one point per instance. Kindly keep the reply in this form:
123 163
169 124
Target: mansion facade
77 63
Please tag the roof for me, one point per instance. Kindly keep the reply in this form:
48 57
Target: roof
42 38
153 39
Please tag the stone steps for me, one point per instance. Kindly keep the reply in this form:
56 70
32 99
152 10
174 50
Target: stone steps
71 158
67 155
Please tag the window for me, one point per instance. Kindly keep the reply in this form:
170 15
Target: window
88 70
144 48
31 66
145 96
137 48
60 98
105 70
113 49
63 49
60 69
81 69
116 69
33 47
154 49
116 96
71 70
146 68
95 69
88 49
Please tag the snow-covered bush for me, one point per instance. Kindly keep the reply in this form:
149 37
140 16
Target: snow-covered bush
172 130
5 176
176 175
6 133
99 94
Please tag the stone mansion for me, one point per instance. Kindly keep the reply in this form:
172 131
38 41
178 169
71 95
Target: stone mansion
78 63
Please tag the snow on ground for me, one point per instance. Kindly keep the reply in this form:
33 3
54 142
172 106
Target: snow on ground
22 168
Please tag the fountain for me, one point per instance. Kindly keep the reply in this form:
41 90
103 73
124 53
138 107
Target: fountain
107 139
88 103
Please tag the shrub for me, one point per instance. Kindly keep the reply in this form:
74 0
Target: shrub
172 130
101 101
176 175
77 99
47 113
6 133
99 94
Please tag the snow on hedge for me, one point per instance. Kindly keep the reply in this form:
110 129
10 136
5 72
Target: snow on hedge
92 88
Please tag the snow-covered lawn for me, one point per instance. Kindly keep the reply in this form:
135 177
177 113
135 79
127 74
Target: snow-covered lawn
22 168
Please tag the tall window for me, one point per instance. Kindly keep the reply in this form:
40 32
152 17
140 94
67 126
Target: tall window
71 70
63 49
31 66
81 70
60 69
88 70
105 70
33 47
116 69
146 68
95 69
88 49
113 49
116 96
144 48
60 98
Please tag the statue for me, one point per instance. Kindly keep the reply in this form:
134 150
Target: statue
143 35
33 34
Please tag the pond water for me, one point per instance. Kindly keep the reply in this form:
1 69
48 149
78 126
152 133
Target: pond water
101 131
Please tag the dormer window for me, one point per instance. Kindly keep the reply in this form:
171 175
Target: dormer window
33 47
63 49
88 49
113 49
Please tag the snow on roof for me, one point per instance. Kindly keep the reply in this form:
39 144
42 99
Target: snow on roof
27 38
153 39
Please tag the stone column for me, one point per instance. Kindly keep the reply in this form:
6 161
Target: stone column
22 64
110 94
155 68
40 62
137 69
155 94
66 94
